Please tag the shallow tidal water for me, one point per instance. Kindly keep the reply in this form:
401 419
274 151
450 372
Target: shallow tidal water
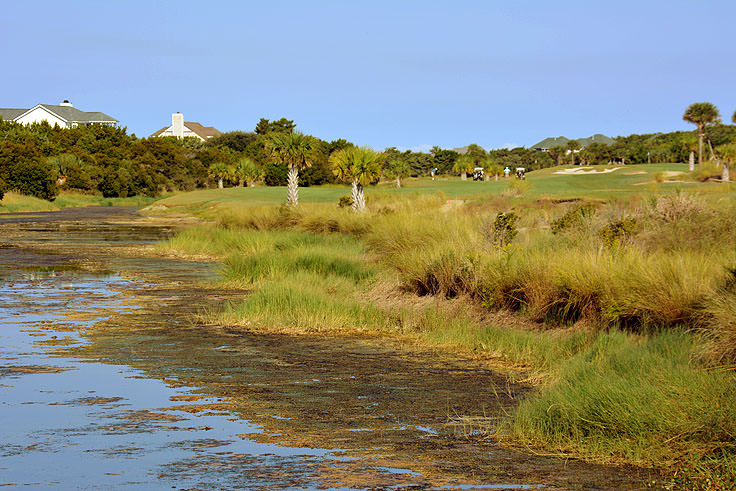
108 379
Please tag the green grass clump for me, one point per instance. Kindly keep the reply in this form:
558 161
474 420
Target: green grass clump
709 170
304 302
538 352
301 281
320 260
633 399
15 202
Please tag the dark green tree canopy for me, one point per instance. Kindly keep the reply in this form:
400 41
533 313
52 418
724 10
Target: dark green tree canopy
282 125
237 141
476 153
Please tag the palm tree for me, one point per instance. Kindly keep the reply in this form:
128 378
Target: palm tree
728 152
294 150
366 169
492 169
463 165
342 163
398 169
360 166
572 146
701 114
219 170
246 171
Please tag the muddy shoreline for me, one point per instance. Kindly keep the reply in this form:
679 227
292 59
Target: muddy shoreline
323 411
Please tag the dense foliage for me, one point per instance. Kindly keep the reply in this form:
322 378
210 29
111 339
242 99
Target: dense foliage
97 158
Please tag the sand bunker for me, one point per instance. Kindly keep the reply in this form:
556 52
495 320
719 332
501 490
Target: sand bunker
584 170
672 173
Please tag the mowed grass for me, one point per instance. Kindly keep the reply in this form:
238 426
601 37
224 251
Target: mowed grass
626 181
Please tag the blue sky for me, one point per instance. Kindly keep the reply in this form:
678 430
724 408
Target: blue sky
410 74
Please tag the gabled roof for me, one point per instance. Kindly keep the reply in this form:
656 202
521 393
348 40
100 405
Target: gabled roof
9 114
73 115
202 131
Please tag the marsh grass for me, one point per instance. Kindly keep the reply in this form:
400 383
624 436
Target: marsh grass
334 259
299 281
305 302
636 400
67 199
630 341
16 202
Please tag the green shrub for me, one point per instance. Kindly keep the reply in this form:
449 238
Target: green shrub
619 232
24 170
503 229
345 201
574 217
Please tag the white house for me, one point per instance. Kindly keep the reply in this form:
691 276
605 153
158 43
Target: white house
182 129
65 115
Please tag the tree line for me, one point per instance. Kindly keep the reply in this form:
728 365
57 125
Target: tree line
39 159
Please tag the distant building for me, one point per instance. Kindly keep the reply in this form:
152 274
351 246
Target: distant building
65 115
561 141
550 142
182 129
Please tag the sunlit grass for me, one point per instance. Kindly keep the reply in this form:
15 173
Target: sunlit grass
636 400
15 202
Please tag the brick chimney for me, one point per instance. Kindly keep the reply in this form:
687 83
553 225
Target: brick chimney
177 124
